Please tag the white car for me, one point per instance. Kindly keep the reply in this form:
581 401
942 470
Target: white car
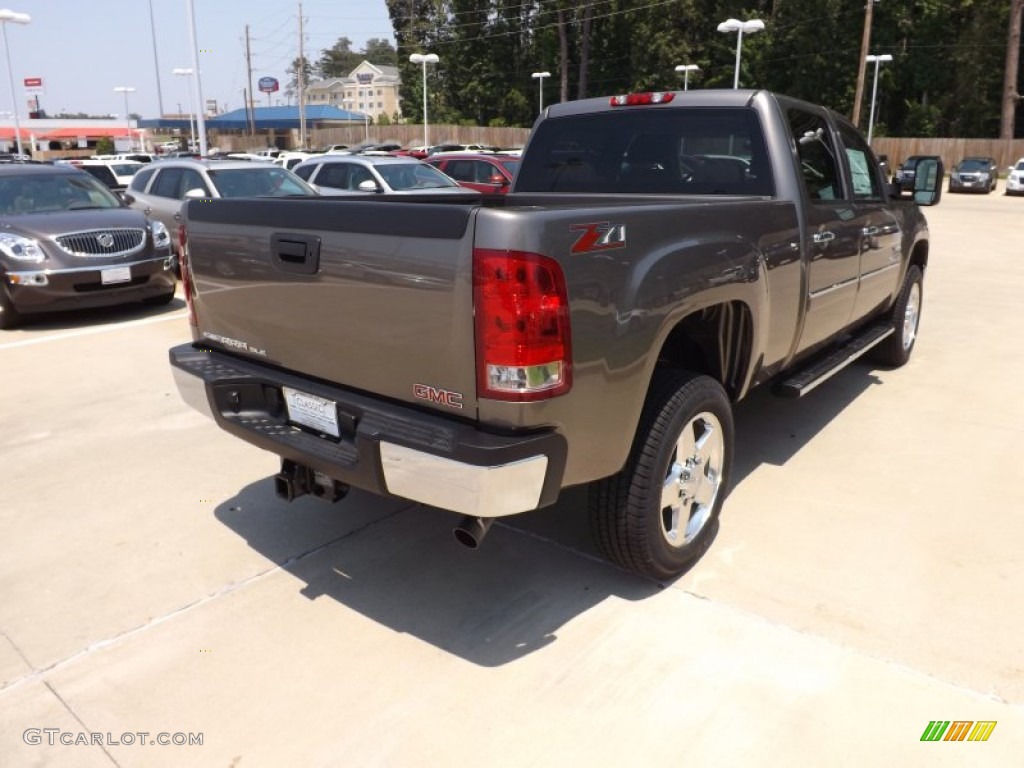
358 174
290 159
1015 179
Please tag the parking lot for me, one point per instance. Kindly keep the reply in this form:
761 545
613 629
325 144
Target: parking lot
865 580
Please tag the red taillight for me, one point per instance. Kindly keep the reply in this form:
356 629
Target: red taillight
186 274
636 99
522 326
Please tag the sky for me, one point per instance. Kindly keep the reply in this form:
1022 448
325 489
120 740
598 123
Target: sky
82 49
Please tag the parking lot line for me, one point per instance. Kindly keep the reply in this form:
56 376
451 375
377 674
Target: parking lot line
91 331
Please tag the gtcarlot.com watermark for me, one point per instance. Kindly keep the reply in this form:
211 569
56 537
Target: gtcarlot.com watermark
55 736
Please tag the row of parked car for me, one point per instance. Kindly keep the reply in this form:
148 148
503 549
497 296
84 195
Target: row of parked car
971 174
100 232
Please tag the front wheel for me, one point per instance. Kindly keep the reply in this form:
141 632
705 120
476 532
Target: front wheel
906 315
9 316
657 516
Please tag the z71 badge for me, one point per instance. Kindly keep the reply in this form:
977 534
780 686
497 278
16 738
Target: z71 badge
599 236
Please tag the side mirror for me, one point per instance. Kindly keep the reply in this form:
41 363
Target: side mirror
928 175
368 186
195 194
128 199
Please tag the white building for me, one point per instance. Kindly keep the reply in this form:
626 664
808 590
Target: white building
369 88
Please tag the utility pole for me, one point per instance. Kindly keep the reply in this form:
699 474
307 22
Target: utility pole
156 62
201 106
863 62
1010 95
251 104
302 85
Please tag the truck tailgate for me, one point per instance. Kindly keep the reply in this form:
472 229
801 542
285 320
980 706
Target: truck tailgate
370 295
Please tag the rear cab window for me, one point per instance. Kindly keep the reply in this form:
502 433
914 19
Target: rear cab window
688 151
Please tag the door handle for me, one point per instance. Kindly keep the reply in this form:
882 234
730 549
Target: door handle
824 238
177 217
296 253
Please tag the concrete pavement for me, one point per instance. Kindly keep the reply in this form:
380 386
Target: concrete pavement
864 582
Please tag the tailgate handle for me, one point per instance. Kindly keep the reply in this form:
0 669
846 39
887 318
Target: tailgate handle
299 254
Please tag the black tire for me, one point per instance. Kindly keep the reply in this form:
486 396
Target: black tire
630 524
9 316
159 301
905 318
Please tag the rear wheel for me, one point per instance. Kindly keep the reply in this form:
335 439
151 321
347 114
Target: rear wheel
9 316
905 317
657 516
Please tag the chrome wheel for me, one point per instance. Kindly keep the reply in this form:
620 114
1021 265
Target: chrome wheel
694 479
911 314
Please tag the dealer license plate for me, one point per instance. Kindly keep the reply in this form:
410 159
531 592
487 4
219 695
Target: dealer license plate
312 411
116 275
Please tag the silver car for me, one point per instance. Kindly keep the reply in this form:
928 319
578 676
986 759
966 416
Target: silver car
160 188
359 174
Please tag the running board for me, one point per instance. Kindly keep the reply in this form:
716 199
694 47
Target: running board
805 380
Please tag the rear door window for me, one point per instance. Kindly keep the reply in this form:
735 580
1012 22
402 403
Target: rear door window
141 179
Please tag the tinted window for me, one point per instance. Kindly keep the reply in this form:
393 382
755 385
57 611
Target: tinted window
259 181
167 183
675 151
141 179
102 173
400 176
306 171
333 175
817 154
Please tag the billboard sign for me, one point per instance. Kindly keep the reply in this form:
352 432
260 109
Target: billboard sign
269 84
33 85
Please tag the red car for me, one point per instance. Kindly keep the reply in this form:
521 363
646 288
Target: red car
490 174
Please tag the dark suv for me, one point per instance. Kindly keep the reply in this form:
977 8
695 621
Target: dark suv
974 174
905 173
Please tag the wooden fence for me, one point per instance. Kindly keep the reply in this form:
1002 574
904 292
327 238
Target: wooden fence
951 151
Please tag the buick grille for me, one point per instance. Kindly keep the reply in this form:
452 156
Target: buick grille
103 242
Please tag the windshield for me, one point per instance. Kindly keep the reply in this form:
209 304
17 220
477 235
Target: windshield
679 151
402 176
258 181
975 164
43 193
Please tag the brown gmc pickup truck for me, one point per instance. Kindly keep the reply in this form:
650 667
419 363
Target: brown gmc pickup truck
658 256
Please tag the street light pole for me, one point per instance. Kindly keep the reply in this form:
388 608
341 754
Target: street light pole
200 108
424 59
686 69
739 27
874 90
187 72
126 89
539 76
13 17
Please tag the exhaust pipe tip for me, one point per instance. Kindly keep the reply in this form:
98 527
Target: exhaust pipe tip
471 530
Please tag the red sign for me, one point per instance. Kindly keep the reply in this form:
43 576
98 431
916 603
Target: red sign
33 82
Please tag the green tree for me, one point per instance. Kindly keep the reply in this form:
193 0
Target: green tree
339 60
104 146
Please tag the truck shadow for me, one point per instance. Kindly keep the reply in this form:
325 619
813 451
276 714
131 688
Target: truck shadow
402 569
771 430
398 564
